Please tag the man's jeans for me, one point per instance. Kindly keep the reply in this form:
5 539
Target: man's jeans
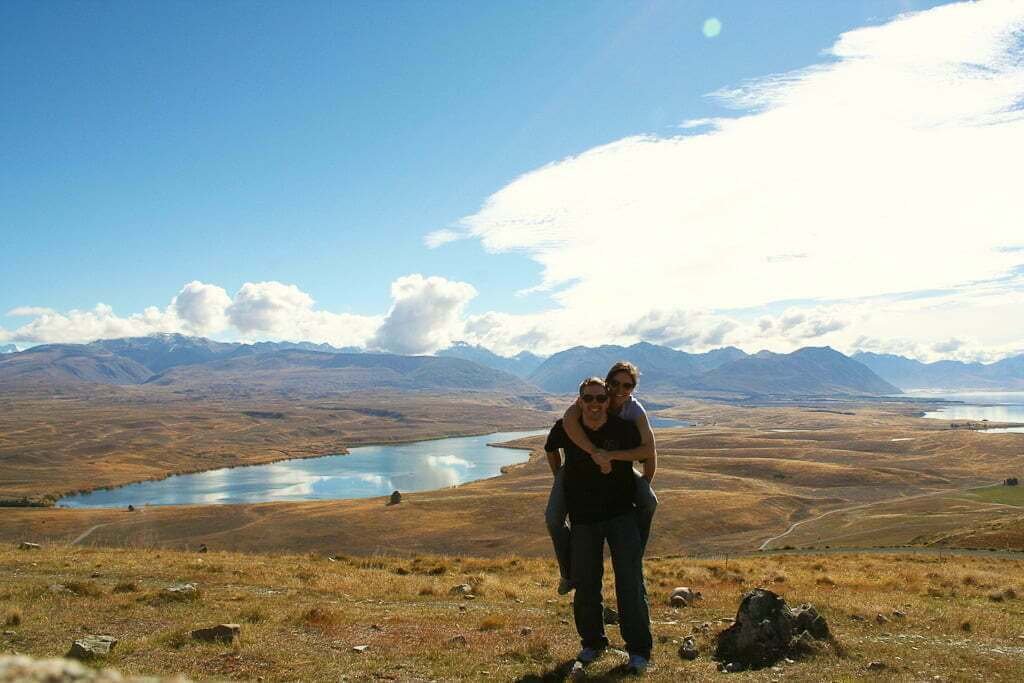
554 517
623 538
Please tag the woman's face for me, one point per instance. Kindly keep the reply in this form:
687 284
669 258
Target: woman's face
620 386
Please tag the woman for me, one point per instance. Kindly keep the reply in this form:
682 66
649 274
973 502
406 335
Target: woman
622 380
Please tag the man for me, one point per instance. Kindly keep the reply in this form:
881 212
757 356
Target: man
601 508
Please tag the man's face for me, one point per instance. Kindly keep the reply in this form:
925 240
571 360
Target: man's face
593 401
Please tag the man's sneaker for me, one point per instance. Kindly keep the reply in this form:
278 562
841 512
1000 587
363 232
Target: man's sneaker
636 665
588 655
565 586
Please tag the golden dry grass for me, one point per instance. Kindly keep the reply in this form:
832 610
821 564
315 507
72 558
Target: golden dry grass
301 615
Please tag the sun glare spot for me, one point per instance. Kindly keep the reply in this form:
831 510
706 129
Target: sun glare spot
712 27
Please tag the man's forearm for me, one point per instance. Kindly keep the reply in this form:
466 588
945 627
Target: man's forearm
642 452
650 467
554 462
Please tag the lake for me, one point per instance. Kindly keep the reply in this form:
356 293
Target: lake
997 406
367 471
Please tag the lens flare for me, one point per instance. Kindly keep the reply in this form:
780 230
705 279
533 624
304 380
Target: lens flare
712 27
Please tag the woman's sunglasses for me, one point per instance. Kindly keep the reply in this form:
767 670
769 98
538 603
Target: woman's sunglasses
590 398
625 385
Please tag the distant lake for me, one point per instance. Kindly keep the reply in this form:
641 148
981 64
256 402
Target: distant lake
997 406
366 472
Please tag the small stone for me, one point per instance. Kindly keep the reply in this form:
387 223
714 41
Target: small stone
610 615
688 595
678 601
221 633
25 545
376 627
181 591
92 646
10 634
462 608
564 621
461 589
360 648
525 631
899 614
469 597
876 666
458 640
857 617
203 548
881 619
95 575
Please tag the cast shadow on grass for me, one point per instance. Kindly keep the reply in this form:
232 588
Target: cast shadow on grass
561 672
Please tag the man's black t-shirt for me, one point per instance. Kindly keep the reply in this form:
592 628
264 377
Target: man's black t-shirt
591 496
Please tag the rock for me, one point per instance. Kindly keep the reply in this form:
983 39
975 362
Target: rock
767 630
92 646
360 648
688 595
688 650
461 589
221 633
25 545
181 591
10 634
610 615
203 548
469 596
525 631
395 498
131 508
876 666
898 614
457 640
881 619
24 669
857 617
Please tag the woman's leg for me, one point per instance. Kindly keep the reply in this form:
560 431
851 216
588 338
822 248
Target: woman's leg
646 504
554 518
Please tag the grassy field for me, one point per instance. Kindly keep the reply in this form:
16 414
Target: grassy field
302 615
1005 495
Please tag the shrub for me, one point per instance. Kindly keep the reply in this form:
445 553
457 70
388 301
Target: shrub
13 617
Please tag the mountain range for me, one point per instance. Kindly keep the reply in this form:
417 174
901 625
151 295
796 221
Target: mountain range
194 365
909 374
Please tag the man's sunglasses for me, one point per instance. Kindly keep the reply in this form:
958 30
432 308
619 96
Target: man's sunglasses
625 385
590 398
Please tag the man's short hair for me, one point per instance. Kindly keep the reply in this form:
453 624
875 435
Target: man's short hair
592 380
624 366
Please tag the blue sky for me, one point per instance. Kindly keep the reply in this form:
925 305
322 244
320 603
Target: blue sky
144 146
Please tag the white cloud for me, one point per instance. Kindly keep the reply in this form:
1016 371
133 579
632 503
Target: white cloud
436 238
29 311
886 168
268 307
202 307
425 314
78 326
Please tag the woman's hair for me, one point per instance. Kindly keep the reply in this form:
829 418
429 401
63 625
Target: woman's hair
592 380
624 366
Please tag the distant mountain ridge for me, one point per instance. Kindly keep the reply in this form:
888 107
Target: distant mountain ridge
662 368
909 374
194 364
8 348
520 365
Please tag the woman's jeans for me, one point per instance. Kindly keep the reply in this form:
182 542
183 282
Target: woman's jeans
558 527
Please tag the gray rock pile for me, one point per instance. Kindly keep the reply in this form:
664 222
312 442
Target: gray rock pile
22 669
767 630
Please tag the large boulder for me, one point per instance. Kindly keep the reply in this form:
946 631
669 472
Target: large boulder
766 630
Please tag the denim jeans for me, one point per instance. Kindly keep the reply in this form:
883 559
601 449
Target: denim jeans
558 528
623 537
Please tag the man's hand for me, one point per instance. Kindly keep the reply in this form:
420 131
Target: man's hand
603 460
